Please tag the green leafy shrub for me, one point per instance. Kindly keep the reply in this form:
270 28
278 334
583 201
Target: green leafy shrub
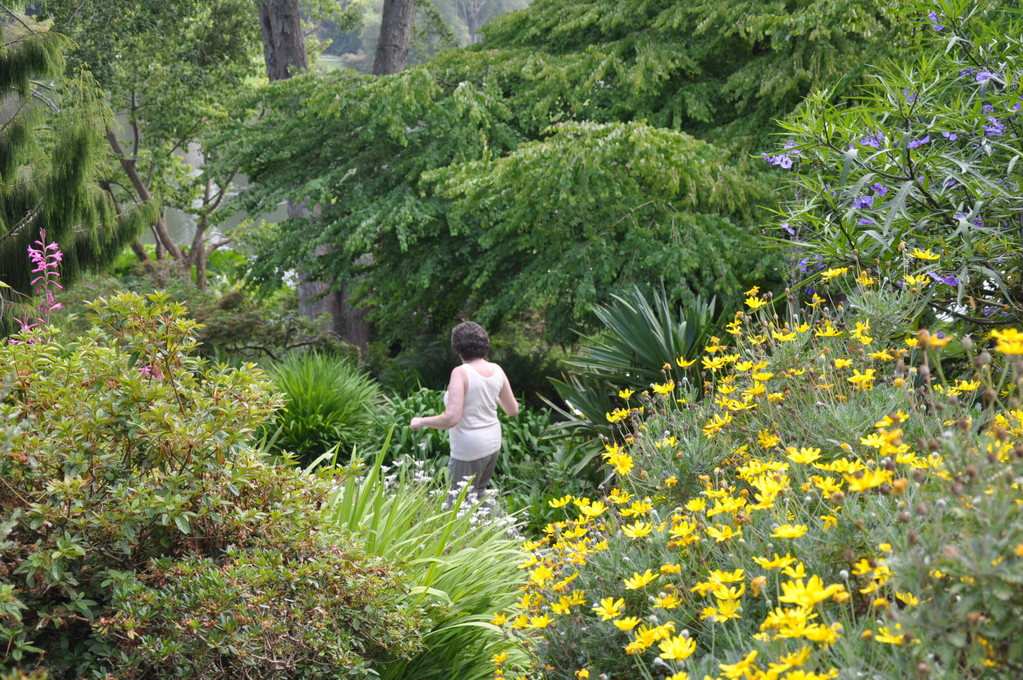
236 326
141 534
462 564
328 402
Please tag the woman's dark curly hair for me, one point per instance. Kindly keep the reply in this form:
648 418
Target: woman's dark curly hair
470 341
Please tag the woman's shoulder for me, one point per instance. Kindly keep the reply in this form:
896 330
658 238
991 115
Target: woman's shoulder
485 369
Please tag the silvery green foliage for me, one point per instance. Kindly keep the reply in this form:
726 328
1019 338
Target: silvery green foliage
924 162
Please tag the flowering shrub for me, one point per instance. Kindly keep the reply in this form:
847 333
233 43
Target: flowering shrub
918 182
834 506
141 533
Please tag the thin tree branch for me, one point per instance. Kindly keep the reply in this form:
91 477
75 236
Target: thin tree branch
17 18
967 317
29 217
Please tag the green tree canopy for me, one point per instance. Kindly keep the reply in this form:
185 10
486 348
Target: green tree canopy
565 220
582 147
50 137
170 69
723 70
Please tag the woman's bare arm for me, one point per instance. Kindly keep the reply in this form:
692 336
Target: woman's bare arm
506 398
453 411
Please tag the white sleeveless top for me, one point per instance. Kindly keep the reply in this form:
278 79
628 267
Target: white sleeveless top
478 433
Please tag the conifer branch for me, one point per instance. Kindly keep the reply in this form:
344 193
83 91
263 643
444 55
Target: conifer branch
10 121
29 217
50 104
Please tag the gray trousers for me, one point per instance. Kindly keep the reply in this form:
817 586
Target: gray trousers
481 470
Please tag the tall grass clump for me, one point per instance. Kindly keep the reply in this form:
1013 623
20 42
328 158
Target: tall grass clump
328 402
461 564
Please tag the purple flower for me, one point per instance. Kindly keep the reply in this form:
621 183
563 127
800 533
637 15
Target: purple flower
968 71
146 371
865 222
984 75
879 189
781 160
994 128
933 17
987 108
909 95
810 290
949 280
950 136
46 258
873 140
789 230
919 142
1016 106
976 220
810 266
864 201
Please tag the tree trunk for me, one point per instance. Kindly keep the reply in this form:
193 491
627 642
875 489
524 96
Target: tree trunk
283 43
346 321
471 12
284 54
395 36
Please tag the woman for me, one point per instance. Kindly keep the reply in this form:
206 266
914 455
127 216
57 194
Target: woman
474 391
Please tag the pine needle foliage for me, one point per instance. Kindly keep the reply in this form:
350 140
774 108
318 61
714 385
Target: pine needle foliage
49 150
723 70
